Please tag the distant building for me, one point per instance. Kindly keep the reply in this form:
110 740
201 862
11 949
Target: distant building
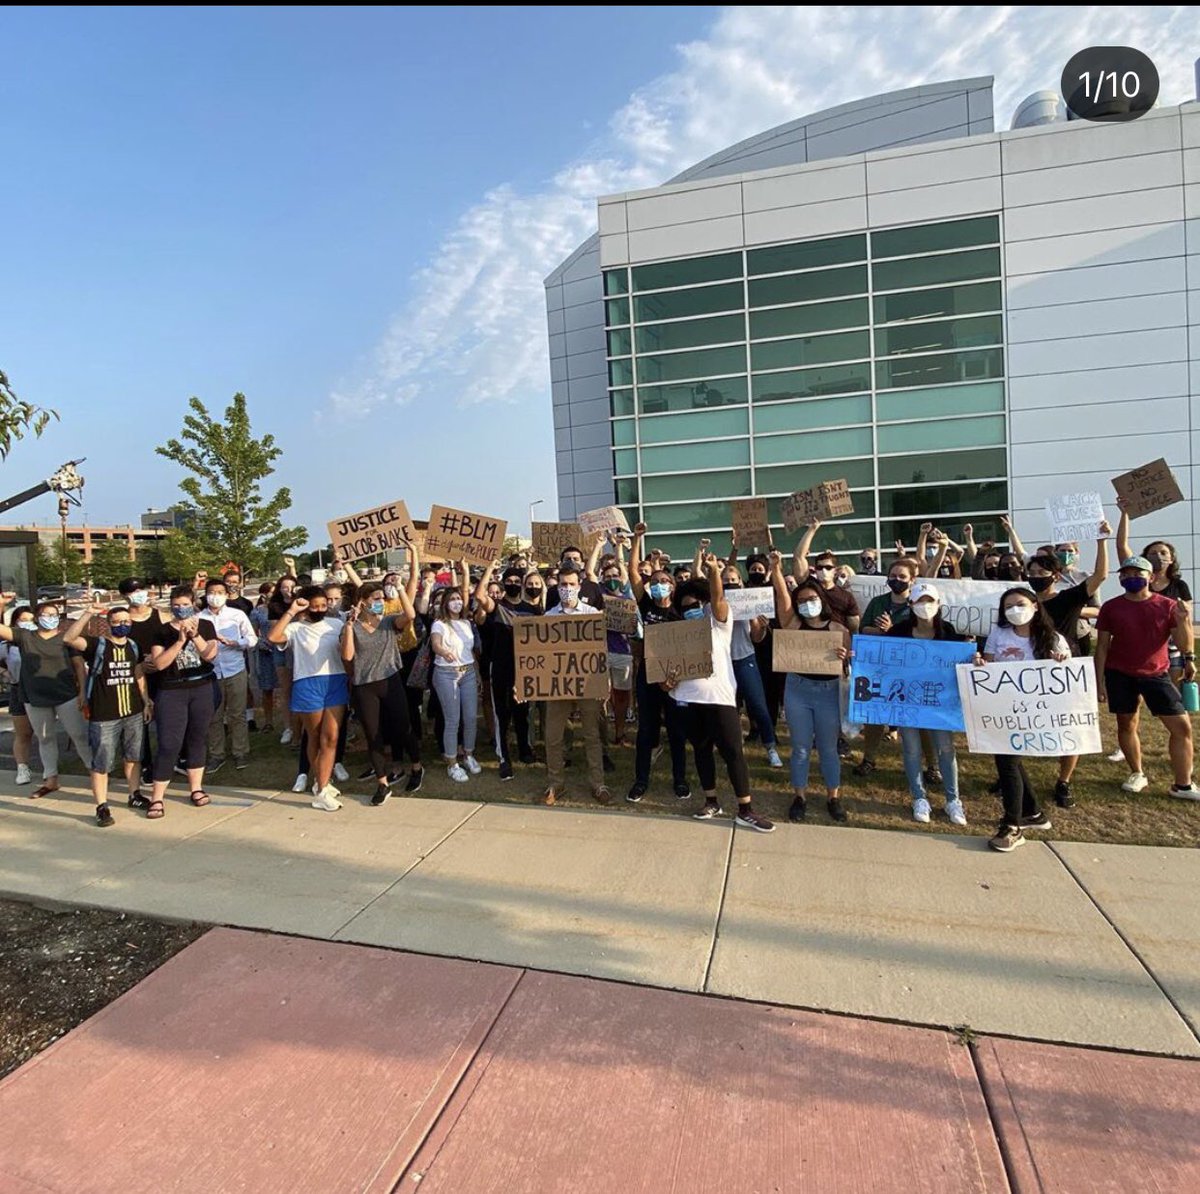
173 518
86 537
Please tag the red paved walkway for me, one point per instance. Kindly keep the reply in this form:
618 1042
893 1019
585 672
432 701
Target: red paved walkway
260 1063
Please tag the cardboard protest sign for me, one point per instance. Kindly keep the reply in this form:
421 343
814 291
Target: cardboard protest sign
620 614
1149 488
811 651
551 538
830 499
906 682
679 650
1075 517
756 601
380 529
461 535
606 518
563 657
1033 707
970 606
748 517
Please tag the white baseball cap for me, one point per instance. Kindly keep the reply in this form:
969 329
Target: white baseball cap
924 588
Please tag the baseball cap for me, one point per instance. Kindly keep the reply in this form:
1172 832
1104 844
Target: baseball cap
923 588
1139 562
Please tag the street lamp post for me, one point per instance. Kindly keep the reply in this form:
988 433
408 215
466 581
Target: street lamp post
539 502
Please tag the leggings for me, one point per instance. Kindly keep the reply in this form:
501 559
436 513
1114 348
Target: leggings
458 693
181 718
506 710
719 726
382 707
656 708
1015 790
45 720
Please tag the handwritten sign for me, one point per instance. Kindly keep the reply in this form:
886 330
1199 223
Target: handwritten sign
563 657
380 529
813 652
1032 707
550 539
830 499
461 535
969 606
906 682
679 650
620 614
1149 488
748 517
756 601
603 520
1075 518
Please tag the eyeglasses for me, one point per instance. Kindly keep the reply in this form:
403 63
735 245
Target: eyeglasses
823 568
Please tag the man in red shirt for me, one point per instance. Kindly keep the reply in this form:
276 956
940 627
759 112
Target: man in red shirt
1132 665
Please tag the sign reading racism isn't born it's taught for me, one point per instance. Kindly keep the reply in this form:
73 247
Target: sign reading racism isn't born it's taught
380 529
461 535
906 682
561 657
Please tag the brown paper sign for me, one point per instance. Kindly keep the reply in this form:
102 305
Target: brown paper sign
830 499
679 650
550 538
380 529
621 614
1149 488
460 535
606 518
748 517
811 651
562 657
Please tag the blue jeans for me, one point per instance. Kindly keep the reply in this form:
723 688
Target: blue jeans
750 689
458 692
943 743
813 709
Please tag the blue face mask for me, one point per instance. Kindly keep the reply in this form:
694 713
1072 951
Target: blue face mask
376 607
660 592
695 611
119 631
48 621
182 611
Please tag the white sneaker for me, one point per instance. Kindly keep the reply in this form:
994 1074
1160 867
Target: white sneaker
340 773
286 737
301 783
1137 782
456 773
956 812
773 759
473 765
921 810
1188 792
327 801
1117 756
24 775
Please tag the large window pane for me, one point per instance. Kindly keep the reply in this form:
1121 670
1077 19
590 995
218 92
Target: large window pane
975 365
931 238
721 391
931 501
680 304
932 271
810 350
627 492
809 255
812 317
980 432
625 462
947 300
659 337
621 402
620 342
616 312
812 383
624 433
687 272
701 425
715 484
938 336
616 281
692 516
800 288
844 538
799 416
895 405
681 546
693 457
986 526
701 363
864 507
791 478
812 445
620 373
941 466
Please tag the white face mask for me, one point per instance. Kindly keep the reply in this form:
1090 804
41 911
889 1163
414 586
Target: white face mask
809 609
925 610
568 594
216 601
139 597
455 606
1019 615
391 592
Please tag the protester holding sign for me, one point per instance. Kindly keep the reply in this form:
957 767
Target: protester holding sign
1131 666
841 600
1023 631
614 582
811 701
452 641
747 634
927 623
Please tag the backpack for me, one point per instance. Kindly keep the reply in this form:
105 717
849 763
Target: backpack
98 666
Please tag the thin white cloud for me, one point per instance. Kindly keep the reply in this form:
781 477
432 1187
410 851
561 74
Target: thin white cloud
472 325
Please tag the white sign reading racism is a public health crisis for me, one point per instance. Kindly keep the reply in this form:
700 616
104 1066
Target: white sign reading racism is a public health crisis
970 606
1035 707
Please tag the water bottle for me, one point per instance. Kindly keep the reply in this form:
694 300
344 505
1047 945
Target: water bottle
1191 696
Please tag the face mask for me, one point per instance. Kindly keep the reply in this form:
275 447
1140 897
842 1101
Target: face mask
758 578
141 597
925 610
512 590
26 625
1019 615
216 601
897 584
1039 584
119 631
809 609
48 621
567 594
376 607
866 562
613 584
533 594
945 572
391 592
1070 559
181 612
842 582
341 576
733 583
693 611
1010 572
660 592
455 607
317 615
233 586
991 573
1131 584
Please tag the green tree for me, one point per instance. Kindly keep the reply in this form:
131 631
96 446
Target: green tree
182 557
110 563
17 418
59 563
150 564
228 465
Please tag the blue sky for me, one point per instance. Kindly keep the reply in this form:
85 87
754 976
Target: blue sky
346 213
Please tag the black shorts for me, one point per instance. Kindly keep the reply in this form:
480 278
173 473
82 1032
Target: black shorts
1161 696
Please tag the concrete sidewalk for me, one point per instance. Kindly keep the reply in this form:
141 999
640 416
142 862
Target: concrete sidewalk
1083 944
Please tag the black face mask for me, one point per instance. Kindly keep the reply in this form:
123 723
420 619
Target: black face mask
1039 584
512 590
991 573
897 585
757 578
316 615
1010 572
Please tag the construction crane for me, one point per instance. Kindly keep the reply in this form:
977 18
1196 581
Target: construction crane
66 482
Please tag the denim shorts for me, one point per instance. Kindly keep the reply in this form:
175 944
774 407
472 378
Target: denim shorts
264 670
105 736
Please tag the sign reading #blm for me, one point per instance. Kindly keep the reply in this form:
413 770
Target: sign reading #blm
380 529
561 657
461 535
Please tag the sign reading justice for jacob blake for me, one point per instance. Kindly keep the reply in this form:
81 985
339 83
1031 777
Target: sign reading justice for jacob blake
383 528
561 657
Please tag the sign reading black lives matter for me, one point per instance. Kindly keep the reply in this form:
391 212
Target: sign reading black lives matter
461 535
381 529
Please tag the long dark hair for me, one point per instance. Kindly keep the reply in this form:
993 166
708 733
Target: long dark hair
277 606
1041 630
806 586
1173 567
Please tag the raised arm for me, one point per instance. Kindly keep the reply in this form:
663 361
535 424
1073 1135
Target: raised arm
483 603
731 561
619 548
6 633
278 633
716 588
594 558
932 567
414 570
970 551
784 613
635 561
1100 570
347 640
74 633
1014 540
922 545
1123 552
800 556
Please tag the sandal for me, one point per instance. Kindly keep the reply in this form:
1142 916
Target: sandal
200 798
42 791
157 809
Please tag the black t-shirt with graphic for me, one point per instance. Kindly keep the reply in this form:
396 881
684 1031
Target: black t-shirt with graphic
652 612
113 686
188 667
